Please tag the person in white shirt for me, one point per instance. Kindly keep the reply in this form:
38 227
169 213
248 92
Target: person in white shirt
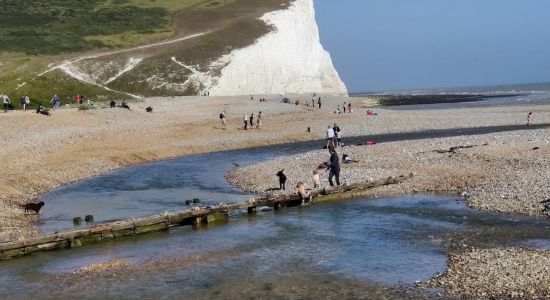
329 135
245 120
5 101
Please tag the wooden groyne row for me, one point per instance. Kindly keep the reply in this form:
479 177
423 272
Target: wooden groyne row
195 216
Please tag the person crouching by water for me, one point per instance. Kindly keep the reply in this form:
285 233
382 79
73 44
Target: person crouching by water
304 194
334 166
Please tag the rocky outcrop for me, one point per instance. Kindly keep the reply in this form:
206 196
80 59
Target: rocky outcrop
290 59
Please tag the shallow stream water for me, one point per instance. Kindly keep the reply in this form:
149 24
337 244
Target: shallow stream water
354 248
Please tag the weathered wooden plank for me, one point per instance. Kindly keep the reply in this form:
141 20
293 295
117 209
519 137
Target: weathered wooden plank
81 237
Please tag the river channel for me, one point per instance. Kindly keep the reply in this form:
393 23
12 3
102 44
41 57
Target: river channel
360 248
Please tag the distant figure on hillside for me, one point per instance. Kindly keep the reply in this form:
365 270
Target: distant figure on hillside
334 167
529 118
319 102
5 101
251 121
259 120
222 119
27 101
77 99
245 120
55 101
329 136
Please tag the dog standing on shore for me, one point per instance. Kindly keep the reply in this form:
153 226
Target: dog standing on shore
29 207
282 179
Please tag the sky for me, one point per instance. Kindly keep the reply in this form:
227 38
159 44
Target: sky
388 45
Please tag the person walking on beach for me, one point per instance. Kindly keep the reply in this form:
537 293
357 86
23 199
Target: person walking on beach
77 98
259 121
27 101
334 167
313 100
336 129
344 106
5 101
222 119
338 135
55 101
251 121
22 103
245 120
529 118
349 108
329 136
319 101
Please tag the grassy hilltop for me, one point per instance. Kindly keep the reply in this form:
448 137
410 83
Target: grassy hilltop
37 35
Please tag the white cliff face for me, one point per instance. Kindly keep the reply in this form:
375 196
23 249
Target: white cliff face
290 59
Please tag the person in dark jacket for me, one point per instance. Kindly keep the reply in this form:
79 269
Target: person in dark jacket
334 166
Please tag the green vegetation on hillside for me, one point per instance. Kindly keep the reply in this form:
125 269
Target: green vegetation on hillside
55 26
56 30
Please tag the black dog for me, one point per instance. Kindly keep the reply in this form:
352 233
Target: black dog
282 179
33 207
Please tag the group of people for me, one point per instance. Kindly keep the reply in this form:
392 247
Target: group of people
333 166
25 101
333 136
249 121
122 105
313 101
344 106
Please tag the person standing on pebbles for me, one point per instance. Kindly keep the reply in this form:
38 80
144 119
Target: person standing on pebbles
259 121
55 101
251 121
5 101
329 136
222 119
334 166
245 120
529 118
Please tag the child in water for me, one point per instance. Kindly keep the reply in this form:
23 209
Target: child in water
304 194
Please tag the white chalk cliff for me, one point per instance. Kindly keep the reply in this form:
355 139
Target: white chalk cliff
289 59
